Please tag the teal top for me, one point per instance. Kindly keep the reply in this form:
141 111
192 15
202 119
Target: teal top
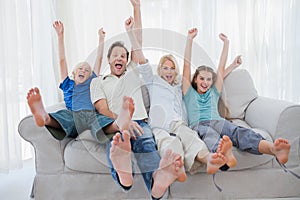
202 107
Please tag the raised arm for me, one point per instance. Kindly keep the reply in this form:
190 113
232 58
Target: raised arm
137 48
59 28
98 62
137 27
186 74
237 62
222 62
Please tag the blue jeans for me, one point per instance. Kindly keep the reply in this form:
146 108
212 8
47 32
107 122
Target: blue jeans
211 131
146 154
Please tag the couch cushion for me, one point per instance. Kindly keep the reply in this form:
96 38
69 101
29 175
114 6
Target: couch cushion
238 92
85 154
247 160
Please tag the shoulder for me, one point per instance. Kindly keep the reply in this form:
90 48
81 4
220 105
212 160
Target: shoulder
67 82
190 91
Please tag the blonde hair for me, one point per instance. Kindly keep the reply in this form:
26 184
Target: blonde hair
81 64
171 58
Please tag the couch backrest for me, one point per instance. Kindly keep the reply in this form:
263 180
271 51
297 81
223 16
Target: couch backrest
238 92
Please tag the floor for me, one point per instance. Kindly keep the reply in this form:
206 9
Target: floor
17 184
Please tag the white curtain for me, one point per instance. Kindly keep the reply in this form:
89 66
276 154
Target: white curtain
26 61
264 32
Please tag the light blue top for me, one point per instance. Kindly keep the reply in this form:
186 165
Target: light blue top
77 97
202 107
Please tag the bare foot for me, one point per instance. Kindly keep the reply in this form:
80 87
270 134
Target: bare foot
170 168
124 118
225 147
281 150
36 106
214 162
120 157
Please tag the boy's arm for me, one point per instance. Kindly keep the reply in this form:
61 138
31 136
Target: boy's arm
186 74
236 63
98 62
59 28
222 62
137 48
137 27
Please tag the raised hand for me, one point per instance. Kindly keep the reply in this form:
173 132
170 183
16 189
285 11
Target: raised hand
101 33
59 27
223 37
135 3
192 33
129 23
237 61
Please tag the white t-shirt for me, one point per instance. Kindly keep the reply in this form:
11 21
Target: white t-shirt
112 88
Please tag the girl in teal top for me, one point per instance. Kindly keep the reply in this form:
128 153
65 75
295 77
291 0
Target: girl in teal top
201 96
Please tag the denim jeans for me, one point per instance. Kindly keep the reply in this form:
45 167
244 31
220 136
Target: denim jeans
244 139
146 154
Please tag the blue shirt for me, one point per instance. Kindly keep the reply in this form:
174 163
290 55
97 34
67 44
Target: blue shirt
202 107
77 97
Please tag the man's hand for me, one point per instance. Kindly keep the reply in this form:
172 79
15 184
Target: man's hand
135 130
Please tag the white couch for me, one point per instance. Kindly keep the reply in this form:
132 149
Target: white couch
77 168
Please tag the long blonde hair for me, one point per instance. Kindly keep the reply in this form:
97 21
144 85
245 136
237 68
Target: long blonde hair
171 58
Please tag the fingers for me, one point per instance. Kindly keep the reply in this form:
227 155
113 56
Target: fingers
129 23
223 37
101 31
239 59
192 33
135 130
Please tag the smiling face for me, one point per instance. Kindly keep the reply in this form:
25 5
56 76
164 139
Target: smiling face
204 81
118 61
82 72
117 58
167 69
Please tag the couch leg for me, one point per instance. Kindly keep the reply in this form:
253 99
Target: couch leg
32 190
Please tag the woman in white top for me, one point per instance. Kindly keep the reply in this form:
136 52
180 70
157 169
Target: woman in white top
167 118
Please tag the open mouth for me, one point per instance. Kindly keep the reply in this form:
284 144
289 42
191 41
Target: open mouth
118 66
204 87
81 76
169 78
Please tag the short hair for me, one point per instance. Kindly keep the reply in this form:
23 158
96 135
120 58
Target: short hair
82 64
117 44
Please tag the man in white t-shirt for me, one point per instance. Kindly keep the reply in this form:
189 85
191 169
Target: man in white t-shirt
106 95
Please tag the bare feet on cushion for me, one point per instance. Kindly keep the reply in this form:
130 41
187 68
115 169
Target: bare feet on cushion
281 149
171 167
214 162
225 147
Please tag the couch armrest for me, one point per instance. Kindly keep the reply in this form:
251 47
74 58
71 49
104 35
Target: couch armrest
48 150
279 118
